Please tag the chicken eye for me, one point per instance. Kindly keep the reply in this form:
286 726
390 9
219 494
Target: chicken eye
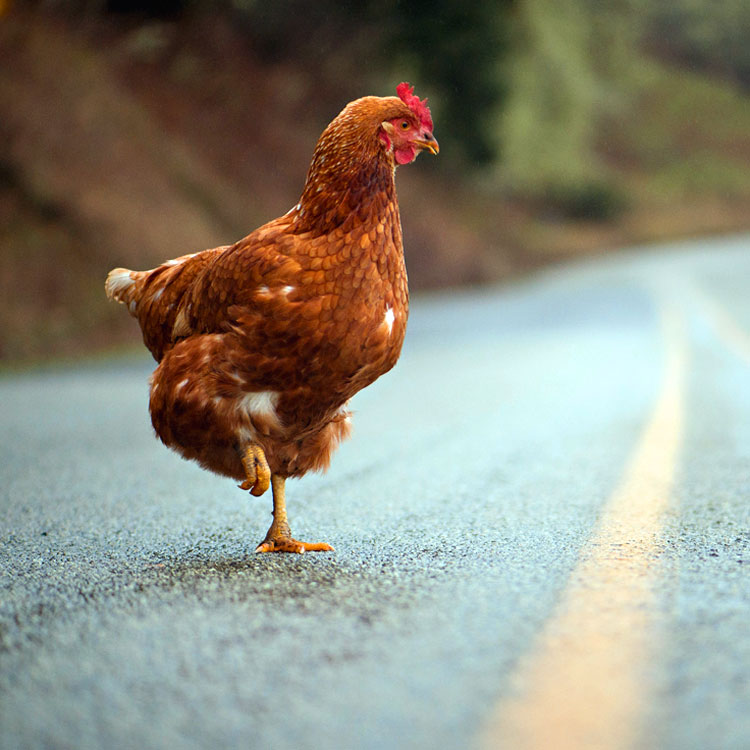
404 125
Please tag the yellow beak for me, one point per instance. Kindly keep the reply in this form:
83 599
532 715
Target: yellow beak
428 143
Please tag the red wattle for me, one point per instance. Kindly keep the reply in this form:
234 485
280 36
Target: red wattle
405 155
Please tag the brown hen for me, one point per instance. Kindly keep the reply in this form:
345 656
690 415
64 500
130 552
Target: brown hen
261 344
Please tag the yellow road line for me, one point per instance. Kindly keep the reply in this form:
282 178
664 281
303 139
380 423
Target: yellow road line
734 337
580 687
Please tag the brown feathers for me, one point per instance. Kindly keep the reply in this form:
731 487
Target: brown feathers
266 340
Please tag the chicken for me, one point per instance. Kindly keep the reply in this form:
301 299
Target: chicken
261 344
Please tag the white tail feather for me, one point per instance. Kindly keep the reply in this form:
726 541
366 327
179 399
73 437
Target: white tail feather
119 281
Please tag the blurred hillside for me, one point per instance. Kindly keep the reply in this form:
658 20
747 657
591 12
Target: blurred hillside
134 132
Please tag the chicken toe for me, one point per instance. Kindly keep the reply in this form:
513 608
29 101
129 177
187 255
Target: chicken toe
257 470
279 536
287 544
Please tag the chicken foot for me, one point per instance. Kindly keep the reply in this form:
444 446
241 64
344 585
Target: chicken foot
256 470
279 536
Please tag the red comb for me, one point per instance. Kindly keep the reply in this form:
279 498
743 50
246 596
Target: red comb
419 106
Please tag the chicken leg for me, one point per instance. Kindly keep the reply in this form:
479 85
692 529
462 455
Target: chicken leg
279 536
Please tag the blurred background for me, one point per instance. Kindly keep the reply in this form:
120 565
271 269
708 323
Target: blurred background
135 131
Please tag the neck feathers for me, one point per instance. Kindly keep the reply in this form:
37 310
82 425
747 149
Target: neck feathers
351 177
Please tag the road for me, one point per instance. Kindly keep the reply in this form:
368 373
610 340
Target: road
541 524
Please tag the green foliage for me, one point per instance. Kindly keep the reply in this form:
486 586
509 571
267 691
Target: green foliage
712 36
150 8
303 32
569 68
590 201
453 50
547 125
530 87
458 48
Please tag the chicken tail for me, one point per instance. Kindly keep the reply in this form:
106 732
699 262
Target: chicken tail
122 286
155 297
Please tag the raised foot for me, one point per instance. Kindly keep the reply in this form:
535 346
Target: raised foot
287 544
256 470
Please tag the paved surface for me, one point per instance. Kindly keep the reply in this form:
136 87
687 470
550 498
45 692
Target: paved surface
487 471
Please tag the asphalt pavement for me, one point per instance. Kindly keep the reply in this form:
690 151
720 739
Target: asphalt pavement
543 513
